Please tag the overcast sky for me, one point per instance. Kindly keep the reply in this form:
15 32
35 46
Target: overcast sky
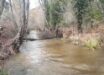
34 3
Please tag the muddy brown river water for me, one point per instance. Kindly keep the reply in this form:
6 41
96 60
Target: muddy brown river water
55 57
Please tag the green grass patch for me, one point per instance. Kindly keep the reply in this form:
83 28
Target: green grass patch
92 43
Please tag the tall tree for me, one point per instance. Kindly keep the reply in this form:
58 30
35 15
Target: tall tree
24 23
24 19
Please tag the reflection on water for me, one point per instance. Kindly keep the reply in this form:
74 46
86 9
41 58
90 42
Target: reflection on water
55 57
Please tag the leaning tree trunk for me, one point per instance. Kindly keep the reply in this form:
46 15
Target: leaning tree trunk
11 46
24 23
16 42
24 18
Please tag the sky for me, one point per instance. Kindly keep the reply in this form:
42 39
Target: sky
34 3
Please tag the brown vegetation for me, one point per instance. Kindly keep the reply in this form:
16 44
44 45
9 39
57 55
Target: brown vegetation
6 39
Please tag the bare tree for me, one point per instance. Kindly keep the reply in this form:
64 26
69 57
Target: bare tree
24 19
23 25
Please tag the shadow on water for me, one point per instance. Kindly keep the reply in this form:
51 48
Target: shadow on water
55 57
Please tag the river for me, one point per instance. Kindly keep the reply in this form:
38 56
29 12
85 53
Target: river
55 57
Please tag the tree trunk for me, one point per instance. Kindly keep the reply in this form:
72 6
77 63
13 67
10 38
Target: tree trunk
79 18
24 22
22 29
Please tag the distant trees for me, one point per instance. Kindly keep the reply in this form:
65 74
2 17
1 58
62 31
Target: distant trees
88 11
102 5
85 11
102 2
80 10
54 10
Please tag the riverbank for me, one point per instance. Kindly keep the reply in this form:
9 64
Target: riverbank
92 39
